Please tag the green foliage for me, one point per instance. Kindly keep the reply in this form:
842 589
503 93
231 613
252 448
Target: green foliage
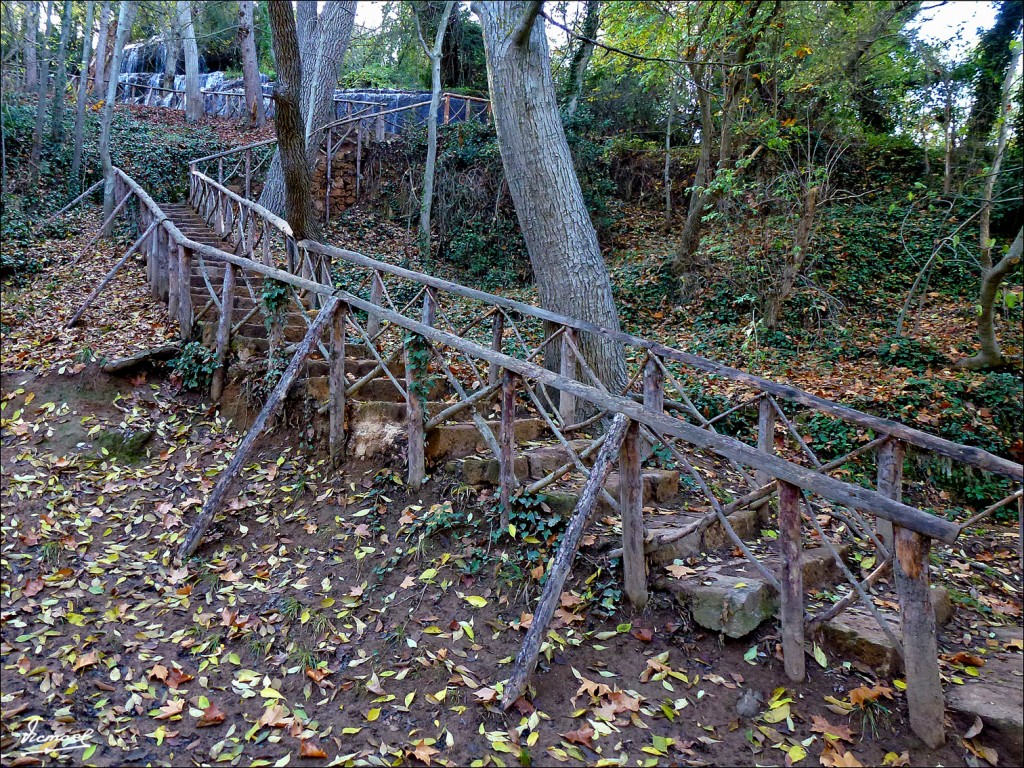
915 354
195 365
418 356
373 75
536 525
274 297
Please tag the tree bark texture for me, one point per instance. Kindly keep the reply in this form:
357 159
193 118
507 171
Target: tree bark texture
581 56
83 90
288 121
571 275
44 77
99 86
61 80
193 97
322 42
124 25
250 68
31 40
434 55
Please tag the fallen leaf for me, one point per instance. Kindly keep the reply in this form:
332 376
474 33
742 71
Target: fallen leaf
311 748
212 715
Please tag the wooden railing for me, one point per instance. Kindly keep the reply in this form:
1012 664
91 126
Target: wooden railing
499 353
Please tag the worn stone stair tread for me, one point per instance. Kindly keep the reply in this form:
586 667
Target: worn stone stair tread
855 634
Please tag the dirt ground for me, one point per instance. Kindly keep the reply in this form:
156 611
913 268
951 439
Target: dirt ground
333 618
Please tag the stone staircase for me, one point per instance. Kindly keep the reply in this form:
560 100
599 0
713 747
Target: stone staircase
723 593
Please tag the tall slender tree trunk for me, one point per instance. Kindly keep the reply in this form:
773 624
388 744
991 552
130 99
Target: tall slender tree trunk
99 85
193 96
83 90
667 173
288 121
44 77
250 68
31 41
323 41
61 80
581 57
794 260
571 274
434 55
172 49
993 272
124 28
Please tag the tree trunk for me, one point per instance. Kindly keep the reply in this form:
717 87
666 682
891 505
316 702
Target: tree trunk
61 80
794 260
99 85
434 54
992 275
288 121
83 90
124 28
193 96
172 49
571 274
250 69
322 42
581 57
41 83
31 40
667 174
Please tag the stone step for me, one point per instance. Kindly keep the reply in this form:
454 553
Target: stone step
378 390
533 463
735 599
855 633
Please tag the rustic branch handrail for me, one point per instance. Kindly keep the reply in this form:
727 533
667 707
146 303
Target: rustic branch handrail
270 217
975 457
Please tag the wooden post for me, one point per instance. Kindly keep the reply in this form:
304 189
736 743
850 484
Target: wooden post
415 452
338 383
566 401
184 293
359 156
327 180
219 493
376 295
920 645
765 435
429 307
447 108
526 659
380 127
791 611
654 394
227 302
173 273
248 174
497 331
507 438
220 171
890 483
631 508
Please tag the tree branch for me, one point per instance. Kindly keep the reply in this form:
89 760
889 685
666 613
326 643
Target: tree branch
526 23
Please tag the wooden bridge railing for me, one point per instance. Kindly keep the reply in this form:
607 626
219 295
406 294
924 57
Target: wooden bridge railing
498 353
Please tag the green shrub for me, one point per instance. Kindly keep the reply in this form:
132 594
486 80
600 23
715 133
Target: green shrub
918 356
195 365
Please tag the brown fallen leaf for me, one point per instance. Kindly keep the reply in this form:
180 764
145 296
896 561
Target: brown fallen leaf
423 751
33 586
643 635
581 736
978 750
176 678
967 659
859 696
212 715
312 748
170 709
158 672
832 757
835 732
86 660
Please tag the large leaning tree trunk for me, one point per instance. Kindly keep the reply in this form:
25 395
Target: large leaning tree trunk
571 274
250 69
993 272
322 41
124 29
193 97
172 47
60 81
83 91
288 121
434 55
41 83
99 85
